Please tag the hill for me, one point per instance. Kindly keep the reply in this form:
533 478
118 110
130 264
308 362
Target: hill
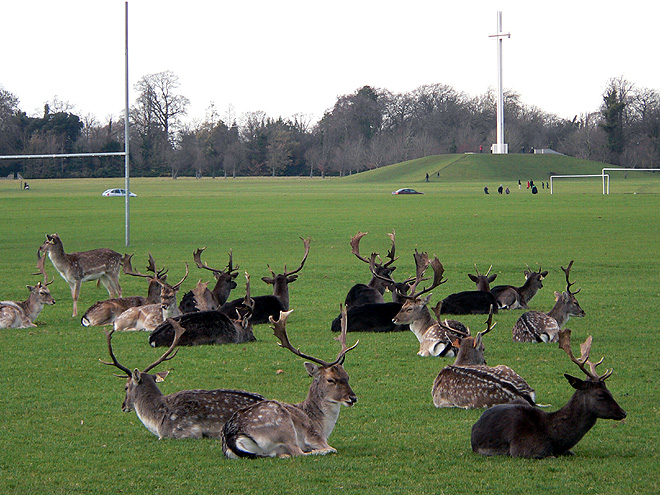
468 167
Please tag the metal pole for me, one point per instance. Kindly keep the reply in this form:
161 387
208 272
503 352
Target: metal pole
127 156
500 146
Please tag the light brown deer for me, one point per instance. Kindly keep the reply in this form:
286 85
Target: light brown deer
203 299
469 383
520 430
510 297
149 316
98 264
435 338
272 428
106 312
536 326
22 314
184 414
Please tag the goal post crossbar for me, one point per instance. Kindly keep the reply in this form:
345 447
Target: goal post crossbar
576 176
606 190
62 155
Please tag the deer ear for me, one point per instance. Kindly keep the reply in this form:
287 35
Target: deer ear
312 369
576 383
544 274
160 376
558 296
136 376
426 300
268 280
30 287
473 278
492 277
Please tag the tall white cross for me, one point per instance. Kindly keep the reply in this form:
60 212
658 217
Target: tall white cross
500 147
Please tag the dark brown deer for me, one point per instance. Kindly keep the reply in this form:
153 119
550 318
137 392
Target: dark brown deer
106 312
271 305
471 302
536 326
520 430
272 428
469 383
98 264
435 338
22 314
225 281
184 414
510 297
210 327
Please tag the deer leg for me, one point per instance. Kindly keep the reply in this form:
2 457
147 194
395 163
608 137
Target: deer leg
75 292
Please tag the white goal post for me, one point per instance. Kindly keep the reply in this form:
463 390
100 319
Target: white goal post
576 176
606 190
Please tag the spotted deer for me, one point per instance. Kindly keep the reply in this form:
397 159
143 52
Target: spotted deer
521 430
273 428
149 316
510 297
435 338
210 299
470 383
98 264
536 326
106 312
22 314
183 414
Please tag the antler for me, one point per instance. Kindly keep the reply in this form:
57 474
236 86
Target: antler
178 332
568 283
41 266
302 263
421 264
176 287
477 270
390 253
489 326
585 349
128 267
115 363
341 338
355 245
197 256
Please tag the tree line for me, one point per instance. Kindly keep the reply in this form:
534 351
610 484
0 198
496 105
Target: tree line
366 129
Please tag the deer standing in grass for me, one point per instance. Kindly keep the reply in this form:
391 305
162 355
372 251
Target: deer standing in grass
510 297
536 326
184 414
22 314
469 383
272 428
205 299
98 264
106 312
435 338
520 430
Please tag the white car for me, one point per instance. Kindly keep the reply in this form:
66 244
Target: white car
116 192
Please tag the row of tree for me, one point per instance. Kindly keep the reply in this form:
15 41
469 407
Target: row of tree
367 129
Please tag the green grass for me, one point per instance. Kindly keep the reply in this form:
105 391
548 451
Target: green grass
62 428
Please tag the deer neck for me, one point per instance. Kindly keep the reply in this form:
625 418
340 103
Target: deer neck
528 290
569 424
560 313
57 255
322 412
422 323
281 291
171 311
32 306
149 405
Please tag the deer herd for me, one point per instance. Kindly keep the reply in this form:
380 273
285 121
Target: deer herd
250 425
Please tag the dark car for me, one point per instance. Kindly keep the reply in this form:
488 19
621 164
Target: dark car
406 191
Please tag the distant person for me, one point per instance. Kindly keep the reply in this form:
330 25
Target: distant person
507 190
531 183
519 184
438 174
486 189
481 148
542 185
26 186
534 190
527 184
427 176
500 189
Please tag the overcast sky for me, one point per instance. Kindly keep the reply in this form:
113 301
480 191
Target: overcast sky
296 56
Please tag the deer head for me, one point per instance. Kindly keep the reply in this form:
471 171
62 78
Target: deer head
382 271
483 281
168 292
471 349
225 278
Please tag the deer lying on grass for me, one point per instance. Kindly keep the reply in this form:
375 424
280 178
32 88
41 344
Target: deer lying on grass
435 338
184 414
510 297
469 383
536 326
271 305
22 314
98 264
205 299
272 428
520 430
149 316
209 327
472 302
106 312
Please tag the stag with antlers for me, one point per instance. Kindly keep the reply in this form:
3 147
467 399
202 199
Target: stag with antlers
536 326
471 302
520 430
511 297
203 299
272 428
22 314
184 414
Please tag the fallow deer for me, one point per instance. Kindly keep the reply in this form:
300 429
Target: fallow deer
98 264
510 297
210 299
22 314
271 305
106 312
435 338
520 430
183 414
272 428
469 383
471 302
209 327
536 326
149 316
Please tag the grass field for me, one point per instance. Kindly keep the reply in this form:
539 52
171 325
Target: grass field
63 430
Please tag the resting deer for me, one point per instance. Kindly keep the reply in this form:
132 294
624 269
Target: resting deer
272 428
381 279
22 314
510 297
471 302
271 305
520 430
106 312
184 414
536 326
469 383
98 264
206 299
435 339
149 316
209 327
